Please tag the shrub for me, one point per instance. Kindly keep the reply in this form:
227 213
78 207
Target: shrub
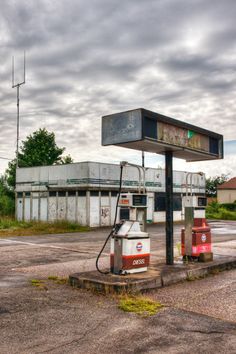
229 206
7 205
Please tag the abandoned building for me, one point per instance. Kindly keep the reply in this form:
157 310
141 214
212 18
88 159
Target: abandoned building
86 192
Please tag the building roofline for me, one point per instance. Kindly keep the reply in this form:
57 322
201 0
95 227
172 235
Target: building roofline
97 162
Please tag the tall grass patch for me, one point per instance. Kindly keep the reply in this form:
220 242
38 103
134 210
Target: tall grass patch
11 227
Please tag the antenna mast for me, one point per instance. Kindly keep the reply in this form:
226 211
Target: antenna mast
17 85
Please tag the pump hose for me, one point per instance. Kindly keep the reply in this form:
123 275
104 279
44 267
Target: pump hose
114 224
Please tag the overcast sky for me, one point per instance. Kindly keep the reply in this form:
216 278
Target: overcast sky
86 59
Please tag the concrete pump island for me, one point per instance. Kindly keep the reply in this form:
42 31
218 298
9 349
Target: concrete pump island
131 265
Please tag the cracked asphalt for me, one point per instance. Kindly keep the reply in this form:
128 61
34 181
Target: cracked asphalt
198 316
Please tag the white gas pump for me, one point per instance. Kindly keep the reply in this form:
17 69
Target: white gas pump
130 243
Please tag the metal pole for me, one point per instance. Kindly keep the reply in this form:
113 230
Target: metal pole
17 85
143 159
169 208
18 125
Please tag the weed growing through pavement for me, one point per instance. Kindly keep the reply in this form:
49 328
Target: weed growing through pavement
38 284
178 246
140 305
58 280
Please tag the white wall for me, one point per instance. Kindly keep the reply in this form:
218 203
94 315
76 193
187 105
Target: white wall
71 208
82 210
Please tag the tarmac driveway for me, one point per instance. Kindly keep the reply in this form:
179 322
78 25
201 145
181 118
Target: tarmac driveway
198 316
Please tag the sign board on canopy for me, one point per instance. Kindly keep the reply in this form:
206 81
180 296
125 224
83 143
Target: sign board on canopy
144 130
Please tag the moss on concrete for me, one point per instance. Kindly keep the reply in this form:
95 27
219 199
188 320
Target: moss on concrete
140 305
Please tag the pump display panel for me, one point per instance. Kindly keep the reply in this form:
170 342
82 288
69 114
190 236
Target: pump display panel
133 200
202 201
139 200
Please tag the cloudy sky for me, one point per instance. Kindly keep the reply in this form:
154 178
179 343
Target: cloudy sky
86 59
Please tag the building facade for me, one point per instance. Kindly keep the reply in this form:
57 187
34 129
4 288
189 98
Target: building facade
86 192
226 192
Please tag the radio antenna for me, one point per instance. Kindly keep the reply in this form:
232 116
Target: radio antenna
17 86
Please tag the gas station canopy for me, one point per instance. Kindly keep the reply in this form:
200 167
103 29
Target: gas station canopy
144 130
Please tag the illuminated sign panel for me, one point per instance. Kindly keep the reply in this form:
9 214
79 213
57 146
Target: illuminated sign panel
144 130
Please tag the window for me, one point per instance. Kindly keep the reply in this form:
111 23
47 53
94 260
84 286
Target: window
61 194
94 193
52 194
113 193
160 202
27 194
105 193
177 203
19 195
71 193
82 193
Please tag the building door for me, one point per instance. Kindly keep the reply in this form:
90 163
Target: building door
20 206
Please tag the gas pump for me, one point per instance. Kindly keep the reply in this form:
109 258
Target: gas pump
130 243
196 236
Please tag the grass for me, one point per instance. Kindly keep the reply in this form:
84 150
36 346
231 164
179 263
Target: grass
58 280
178 246
11 227
140 305
38 284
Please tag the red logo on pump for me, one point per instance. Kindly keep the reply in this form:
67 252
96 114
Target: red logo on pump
139 246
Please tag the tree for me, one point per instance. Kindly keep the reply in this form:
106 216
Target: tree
212 183
65 159
39 149
7 203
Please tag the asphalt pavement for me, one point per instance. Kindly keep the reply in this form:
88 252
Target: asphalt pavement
198 316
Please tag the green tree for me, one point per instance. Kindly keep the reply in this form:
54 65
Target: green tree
65 159
212 183
39 149
7 202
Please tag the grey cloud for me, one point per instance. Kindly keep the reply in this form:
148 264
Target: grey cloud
90 58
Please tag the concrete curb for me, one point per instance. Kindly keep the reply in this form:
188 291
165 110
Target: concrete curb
157 277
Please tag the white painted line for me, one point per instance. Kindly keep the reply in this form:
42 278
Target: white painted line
56 247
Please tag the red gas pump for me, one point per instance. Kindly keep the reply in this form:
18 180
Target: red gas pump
196 235
201 238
